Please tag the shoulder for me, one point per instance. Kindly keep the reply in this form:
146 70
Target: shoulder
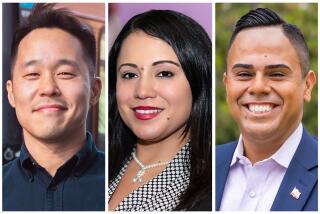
10 166
99 162
9 170
203 205
226 148
305 160
308 144
225 152
312 140
100 155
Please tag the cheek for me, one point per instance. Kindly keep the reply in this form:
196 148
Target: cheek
124 93
179 96
23 93
76 93
234 91
290 93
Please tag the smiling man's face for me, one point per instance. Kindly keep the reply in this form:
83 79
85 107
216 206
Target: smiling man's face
265 86
50 87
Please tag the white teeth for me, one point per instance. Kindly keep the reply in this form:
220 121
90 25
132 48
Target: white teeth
153 111
260 108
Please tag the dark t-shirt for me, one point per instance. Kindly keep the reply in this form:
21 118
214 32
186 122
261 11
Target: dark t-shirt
78 185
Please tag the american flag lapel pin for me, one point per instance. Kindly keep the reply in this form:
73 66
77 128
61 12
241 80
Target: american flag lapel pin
295 193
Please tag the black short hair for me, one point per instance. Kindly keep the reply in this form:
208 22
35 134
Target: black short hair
265 17
192 46
45 16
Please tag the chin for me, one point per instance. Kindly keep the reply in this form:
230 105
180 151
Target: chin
146 133
50 135
260 132
148 136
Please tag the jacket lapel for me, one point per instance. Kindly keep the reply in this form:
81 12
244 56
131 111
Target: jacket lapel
301 175
224 154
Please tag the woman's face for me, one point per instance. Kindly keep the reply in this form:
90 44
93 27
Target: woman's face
153 94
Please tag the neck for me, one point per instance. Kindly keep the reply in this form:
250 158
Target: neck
52 154
163 150
256 152
257 148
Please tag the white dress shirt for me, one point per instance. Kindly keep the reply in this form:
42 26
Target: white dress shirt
254 187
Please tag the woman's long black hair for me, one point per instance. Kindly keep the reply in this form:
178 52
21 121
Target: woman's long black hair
192 46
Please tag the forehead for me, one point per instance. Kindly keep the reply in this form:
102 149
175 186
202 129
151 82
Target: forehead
260 46
140 47
48 43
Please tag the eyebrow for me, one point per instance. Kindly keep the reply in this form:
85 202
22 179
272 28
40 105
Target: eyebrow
277 66
128 64
153 64
31 62
250 66
72 63
239 65
57 64
166 61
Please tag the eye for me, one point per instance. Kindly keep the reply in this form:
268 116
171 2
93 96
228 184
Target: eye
244 75
277 74
129 75
165 74
32 75
66 75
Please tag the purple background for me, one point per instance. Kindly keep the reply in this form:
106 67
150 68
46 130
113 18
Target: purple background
201 12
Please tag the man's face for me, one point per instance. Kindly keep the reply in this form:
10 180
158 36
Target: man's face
265 87
50 88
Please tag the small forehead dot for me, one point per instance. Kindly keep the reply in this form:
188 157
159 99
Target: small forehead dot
141 68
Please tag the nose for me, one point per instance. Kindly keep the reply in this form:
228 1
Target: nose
48 85
145 88
259 85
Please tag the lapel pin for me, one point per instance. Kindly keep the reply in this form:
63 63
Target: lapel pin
295 193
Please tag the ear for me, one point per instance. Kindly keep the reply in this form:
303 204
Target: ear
225 82
95 91
225 79
10 93
310 82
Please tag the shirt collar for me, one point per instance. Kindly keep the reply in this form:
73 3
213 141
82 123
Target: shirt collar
84 157
238 153
283 155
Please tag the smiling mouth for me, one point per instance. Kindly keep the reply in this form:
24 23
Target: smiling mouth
146 112
260 108
47 108
155 111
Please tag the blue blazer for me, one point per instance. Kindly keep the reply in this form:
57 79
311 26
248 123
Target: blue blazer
302 173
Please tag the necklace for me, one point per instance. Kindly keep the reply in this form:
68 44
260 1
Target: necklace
143 168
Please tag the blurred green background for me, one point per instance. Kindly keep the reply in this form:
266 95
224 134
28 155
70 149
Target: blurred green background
304 15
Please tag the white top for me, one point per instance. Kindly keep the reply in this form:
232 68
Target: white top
254 187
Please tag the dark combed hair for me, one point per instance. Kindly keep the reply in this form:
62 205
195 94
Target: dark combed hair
265 17
192 46
45 16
